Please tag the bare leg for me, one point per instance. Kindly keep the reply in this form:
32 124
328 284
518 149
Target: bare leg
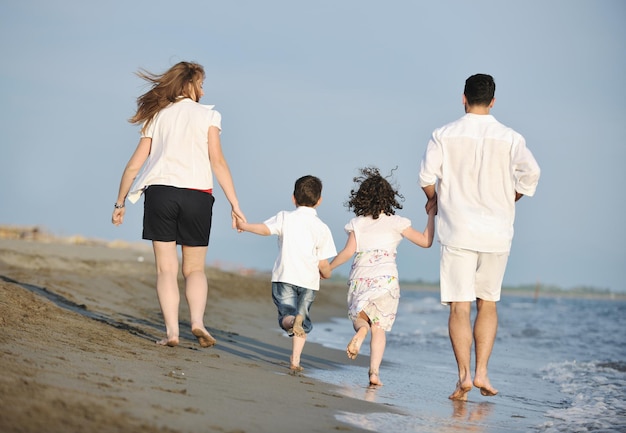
298 330
460 330
166 259
377 349
293 325
297 345
196 292
485 329
361 326
287 323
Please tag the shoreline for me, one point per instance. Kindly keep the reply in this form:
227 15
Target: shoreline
78 353
38 235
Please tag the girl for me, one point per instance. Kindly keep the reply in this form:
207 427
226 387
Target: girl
373 235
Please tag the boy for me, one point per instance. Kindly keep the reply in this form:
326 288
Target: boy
305 244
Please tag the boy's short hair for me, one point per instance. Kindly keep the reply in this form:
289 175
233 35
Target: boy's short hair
307 191
480 89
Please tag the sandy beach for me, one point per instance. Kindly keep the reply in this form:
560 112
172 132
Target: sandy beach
79 324
80 318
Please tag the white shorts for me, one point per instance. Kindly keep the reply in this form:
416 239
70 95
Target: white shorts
467 275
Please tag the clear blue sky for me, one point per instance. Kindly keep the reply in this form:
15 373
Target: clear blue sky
324 88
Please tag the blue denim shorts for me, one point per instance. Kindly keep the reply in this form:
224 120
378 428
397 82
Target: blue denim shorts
291 300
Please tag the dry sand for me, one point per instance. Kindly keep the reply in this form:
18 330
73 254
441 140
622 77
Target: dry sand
79 320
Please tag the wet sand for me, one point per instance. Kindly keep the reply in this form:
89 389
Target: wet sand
79 322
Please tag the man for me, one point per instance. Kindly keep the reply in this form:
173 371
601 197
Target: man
474 170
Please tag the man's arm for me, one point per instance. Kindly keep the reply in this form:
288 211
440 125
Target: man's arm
431 195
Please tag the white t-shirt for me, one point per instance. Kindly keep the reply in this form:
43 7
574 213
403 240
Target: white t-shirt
303 240
376 244
478 164
179 154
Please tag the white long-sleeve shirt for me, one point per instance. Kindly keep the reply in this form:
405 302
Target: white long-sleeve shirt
478 164
179 154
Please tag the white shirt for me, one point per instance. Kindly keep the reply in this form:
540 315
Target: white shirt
478 165
303 240
376 244
179 154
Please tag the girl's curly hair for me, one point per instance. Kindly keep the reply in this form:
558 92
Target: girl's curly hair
374 195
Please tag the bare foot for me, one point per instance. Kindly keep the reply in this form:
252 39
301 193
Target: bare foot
485 386
204 338
294 365
171 342
296 368
298 330
460 393
375 378
353 347
355 344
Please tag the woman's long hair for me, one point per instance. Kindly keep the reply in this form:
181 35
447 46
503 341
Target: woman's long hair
180 80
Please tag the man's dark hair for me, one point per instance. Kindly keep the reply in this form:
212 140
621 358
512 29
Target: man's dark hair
307 191
480 89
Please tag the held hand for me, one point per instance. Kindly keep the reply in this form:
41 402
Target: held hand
433 211
238 217
239 225
431 205
324 269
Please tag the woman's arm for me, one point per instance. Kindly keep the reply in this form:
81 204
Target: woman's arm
222 173
133 166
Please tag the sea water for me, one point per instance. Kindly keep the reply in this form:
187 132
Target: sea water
559 364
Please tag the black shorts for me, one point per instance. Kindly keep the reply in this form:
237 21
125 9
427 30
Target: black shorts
177 214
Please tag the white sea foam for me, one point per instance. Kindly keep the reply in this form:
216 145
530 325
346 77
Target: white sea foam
595 393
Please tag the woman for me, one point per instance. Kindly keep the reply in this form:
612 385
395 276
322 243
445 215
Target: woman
173 166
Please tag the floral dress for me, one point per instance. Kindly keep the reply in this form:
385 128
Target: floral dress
373 285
